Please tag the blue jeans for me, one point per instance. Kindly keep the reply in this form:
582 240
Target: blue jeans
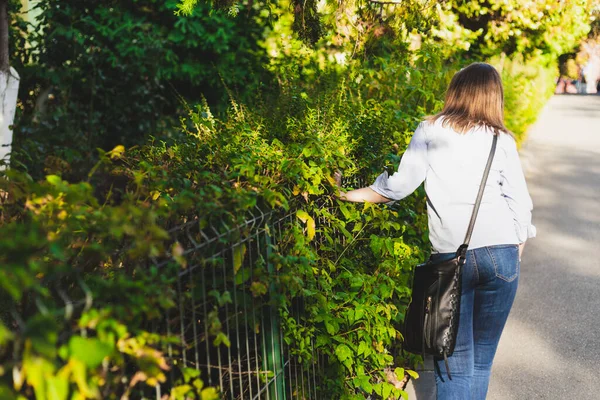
490 278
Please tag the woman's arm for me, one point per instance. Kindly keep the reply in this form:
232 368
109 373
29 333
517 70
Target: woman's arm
358 195
362 195
411 173
514 191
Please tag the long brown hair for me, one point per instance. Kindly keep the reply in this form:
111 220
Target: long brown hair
474 98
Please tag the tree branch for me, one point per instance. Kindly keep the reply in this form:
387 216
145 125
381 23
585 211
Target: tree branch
385 2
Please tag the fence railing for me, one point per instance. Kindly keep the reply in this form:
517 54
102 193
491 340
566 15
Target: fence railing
228 329
219 298
226 319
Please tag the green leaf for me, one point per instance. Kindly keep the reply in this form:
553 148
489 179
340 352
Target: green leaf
386 390
399 373
356 282
189 374
258 289
58 388
311 228
43 333
412 374
209 394
359 313
343 352
363 382
90 351
238 256
363 348
8 393
244 274
344 209
37 370
350 316
179 392
54 180
332 327
5 335
222 338
302 215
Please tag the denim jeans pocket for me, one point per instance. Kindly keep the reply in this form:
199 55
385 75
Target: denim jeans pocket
506 261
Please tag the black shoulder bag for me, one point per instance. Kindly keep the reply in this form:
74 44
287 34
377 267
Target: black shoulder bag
431 322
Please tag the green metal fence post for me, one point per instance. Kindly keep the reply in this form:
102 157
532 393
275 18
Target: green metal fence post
274 349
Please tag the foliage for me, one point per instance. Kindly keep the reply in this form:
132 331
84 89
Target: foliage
104 234
522 27
347 84
527 87
118 75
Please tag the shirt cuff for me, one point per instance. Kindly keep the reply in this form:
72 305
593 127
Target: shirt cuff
526 232
380 186
383 193
531 231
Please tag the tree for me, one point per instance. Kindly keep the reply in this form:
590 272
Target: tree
9 88
117 76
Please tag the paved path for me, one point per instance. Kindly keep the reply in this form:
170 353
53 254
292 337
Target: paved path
550 348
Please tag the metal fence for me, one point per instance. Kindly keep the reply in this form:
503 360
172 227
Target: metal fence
228 328
231 336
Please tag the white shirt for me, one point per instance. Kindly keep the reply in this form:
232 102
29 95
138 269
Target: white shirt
452 165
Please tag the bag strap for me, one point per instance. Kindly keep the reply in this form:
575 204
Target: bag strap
462 250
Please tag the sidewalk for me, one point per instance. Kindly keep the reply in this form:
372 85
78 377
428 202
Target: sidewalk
424 387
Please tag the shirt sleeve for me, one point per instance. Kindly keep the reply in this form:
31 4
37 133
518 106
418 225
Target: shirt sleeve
514 190
411 172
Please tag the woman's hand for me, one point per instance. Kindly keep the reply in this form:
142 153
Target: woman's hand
521 247
337 177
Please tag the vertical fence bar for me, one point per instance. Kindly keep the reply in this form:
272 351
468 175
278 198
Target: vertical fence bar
181 298
248 356
237 322
315 360
169 345
229 366
219 364
265 353
299 363
274 360
206 337
194 321
254 329
285 364
277 237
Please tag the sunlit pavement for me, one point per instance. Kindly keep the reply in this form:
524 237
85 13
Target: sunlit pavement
550 348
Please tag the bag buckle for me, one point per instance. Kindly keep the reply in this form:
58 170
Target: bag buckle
462 253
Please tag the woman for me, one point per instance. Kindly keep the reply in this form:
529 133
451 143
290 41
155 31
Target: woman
449 152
